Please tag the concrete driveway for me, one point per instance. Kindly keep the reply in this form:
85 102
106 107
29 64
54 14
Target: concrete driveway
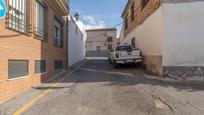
95 88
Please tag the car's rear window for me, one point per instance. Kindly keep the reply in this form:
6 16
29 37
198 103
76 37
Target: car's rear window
123 48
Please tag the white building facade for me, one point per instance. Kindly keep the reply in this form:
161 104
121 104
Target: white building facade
76 43
172 38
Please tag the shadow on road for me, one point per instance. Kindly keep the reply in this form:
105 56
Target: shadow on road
103 72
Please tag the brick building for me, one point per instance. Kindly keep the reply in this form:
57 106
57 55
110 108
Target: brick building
165 30
33 44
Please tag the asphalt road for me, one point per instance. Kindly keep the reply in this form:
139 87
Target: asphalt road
97 89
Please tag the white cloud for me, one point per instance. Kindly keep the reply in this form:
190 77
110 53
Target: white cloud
89 22
1 8
92 23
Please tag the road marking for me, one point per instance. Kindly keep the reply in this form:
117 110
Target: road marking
107 72
38 97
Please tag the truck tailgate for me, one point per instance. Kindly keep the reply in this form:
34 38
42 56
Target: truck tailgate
129 55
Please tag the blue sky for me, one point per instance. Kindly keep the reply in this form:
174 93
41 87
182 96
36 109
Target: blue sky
98 13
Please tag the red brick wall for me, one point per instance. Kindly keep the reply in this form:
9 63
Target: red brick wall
15 45
140 13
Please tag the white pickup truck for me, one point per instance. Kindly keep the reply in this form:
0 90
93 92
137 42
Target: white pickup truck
124 54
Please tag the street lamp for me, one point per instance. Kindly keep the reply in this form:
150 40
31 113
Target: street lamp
76 15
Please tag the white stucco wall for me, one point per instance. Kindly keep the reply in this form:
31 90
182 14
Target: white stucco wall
148 34
183 38
76 44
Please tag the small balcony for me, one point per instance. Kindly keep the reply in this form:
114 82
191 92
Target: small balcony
62 6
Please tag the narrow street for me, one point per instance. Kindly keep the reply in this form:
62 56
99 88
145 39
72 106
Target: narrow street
101 57
96 88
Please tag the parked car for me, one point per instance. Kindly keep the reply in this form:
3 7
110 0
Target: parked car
125 54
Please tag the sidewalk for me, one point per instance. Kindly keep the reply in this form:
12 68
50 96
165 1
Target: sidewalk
9 107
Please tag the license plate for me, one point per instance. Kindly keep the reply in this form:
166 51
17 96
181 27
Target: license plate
128 61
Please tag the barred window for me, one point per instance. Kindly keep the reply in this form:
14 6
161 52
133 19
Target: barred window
58 34
39 10
41 21
40 66
58 64
17 15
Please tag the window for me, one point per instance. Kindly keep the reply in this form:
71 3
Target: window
110 39
82 36
40 66
110 46
133 12
126 22
40 20
144 3
76 30
17 15
124 48
98 48
133 43
17 68
58 64
58 34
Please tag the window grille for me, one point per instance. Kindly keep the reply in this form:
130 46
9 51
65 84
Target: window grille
18 15
41 23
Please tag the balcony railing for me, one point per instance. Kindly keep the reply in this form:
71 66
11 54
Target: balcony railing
41 34
17 24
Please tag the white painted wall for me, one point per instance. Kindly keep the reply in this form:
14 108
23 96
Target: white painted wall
76 43
148 35
183 40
